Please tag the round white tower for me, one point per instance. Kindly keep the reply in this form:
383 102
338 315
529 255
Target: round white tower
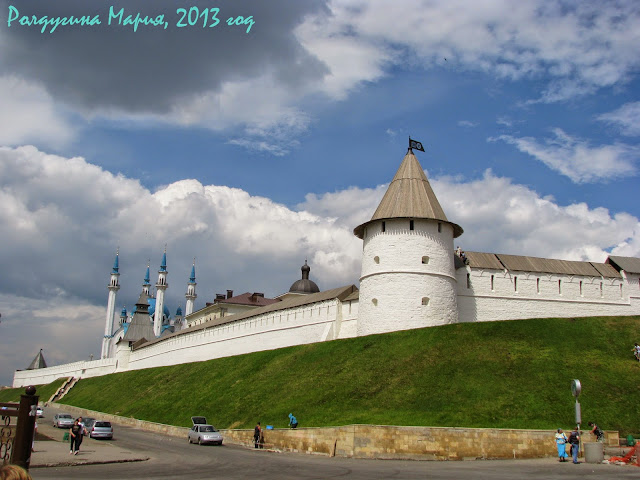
408 274
161 286
191 291
113 287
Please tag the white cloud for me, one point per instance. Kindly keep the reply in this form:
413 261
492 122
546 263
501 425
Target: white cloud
467 123
576 159
28 114
576 47
63 219
627 118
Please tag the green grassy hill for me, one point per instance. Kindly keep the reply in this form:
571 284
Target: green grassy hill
43 391
513 374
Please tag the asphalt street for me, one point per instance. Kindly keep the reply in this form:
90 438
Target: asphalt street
171 457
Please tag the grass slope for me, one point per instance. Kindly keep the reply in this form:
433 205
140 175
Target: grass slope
513 374
43 391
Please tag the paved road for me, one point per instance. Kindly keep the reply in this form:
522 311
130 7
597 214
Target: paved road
174 458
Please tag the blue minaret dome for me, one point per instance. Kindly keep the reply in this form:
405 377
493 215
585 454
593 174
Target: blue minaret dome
115 263
192 278
147 280
163 266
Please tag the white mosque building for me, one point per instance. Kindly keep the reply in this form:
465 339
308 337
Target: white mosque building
411 278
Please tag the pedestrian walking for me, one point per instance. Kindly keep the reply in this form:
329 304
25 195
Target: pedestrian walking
74 434
83 432
561 442
257 433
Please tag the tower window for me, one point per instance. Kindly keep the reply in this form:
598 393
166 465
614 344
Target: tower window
384 226
560 287
410 224
425 259
621 291
425 300
515 284
439 227
468 280
580 287
492 284
601 290
537 285
376 259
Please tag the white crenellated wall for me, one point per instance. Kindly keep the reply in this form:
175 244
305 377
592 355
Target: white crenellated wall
521 295
40 376
408 278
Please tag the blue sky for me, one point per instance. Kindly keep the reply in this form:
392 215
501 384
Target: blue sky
253 151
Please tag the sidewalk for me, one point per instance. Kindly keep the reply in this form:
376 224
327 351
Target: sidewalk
52 451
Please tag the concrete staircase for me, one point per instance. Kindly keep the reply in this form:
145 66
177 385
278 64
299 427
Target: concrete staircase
64 389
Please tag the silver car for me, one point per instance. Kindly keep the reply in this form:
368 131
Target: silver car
202 433
63 420
101 429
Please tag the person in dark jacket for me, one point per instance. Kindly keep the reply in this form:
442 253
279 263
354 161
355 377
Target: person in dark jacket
574 440
74 437
257 433
597 431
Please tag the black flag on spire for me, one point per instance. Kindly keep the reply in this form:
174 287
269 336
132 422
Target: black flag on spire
415 144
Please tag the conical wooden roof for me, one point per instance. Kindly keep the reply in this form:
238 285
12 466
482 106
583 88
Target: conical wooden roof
37 362
409 196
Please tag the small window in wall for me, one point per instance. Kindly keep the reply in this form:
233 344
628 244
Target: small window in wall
384 226
515 284
601 290
621 291
581 288
425 259
410 224
468 280
492 284
374 301
425 300
537 285
560 287
376 259
439 227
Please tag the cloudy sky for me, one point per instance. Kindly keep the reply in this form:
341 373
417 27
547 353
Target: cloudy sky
255 145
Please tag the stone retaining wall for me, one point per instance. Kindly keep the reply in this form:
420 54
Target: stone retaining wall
380 441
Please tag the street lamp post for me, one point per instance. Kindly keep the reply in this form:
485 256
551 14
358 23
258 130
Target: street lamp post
576 388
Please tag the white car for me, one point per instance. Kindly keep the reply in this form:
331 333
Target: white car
202 433
39 412
62 420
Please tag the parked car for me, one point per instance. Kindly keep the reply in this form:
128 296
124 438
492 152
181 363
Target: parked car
39 412
88 422
101 429
202 433
62 420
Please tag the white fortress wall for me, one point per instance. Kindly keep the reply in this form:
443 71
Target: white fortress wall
348 327
85 369
295 326
487 295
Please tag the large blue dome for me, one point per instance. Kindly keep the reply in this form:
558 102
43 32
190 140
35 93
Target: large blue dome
152 308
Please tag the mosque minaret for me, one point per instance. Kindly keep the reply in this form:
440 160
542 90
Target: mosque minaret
191 291
113 287
161 286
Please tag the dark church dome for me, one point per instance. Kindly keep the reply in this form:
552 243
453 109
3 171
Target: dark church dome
304 285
